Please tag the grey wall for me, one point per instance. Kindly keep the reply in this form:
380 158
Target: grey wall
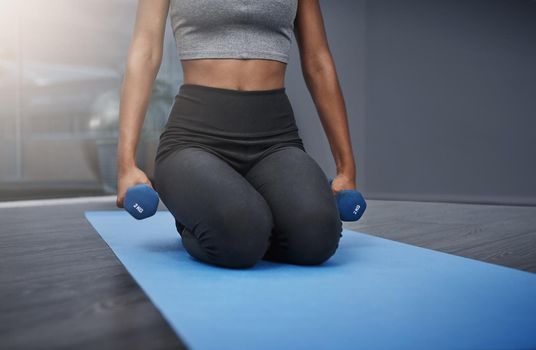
441 97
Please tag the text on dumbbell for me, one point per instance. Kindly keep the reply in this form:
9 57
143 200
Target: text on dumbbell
138 208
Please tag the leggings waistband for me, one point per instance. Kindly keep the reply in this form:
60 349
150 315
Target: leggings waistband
233 123
212 89
215 110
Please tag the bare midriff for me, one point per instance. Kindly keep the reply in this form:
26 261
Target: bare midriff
236 74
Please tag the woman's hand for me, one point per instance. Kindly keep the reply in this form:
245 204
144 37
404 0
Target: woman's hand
343 182
127 178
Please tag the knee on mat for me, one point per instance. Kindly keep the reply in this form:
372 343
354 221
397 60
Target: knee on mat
315 240
239 258
242 237
243 252
318 254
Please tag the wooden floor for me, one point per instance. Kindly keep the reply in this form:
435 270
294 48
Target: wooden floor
62 287
502 235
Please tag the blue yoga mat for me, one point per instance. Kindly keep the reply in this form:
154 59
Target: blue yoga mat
374 293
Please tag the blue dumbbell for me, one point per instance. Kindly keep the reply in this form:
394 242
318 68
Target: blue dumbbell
350 203
141 201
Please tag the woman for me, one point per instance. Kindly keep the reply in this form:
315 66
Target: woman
230 165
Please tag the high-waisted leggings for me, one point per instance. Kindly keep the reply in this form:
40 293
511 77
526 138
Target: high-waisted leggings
232 170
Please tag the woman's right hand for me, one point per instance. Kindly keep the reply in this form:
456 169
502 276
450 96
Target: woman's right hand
127 178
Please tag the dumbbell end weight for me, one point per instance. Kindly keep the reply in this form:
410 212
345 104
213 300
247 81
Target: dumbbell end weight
141 201
351 204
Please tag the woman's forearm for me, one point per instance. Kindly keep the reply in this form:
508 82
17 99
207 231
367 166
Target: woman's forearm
322 82
140 73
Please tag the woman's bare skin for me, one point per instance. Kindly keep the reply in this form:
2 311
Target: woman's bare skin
237 74
145 55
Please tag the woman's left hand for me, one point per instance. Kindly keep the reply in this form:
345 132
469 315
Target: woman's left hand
343 182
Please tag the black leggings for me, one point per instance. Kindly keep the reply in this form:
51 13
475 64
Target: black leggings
233 171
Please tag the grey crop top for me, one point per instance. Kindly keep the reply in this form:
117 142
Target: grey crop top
233 28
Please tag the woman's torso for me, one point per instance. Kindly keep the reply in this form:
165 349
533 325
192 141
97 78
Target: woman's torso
214 37
234 73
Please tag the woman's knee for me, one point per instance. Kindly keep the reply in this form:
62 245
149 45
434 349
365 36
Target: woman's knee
239 234
231 221
313 237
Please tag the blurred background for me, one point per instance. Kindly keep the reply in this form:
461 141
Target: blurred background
440 95
61 67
